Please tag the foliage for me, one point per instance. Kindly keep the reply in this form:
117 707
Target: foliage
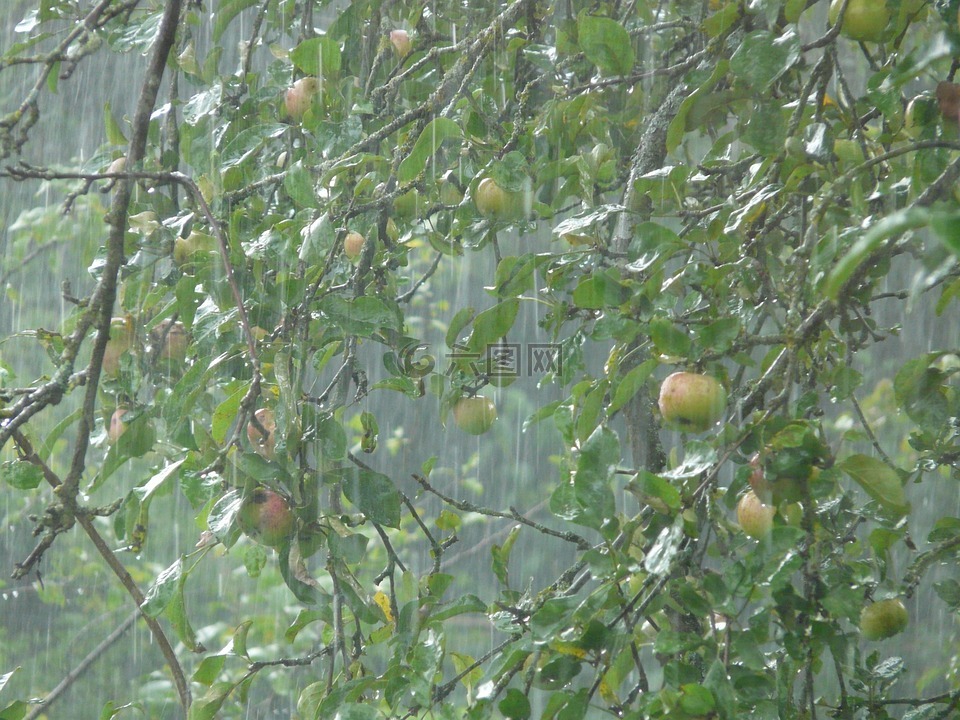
734 189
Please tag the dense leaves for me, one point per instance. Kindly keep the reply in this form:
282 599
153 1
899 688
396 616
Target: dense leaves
562 204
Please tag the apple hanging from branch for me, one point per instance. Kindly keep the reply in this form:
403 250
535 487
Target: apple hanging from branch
474 415
266 516
691 402
263 438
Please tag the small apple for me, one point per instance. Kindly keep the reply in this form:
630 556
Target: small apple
474 415
864 20
266 517
692 402
175 340
948 98
117 426
353 245
120 342
118 165
299 97
263 445
921 113
494 202
184 249
755 518
883 619
402 44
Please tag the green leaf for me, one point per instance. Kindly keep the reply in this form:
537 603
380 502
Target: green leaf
360 316
886 228
656 492
880 481
207 706
606 43
226 415
492 324
114 131
514 705
501 556
21 475
319 57
373 494
919 391
599 291
298 183
17 710
515 275
630 384
669 339
433 135
163 589
763 56
659 560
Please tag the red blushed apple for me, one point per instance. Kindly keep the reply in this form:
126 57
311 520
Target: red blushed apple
474 415
402 44
883 619
353 245
266 517
263 444
299 98
755 518
692 402
117 426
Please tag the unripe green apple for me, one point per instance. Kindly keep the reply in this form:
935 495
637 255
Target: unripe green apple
474 415
353 245
117 426
266 517
864 20
691 402
755 518
921 113
299 97
120 342
263 445
402 44
883 619
494 202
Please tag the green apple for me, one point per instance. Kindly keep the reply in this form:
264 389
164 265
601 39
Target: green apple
299 97
353 245
921 113
263 445
474 415
755 518
120 342
883 619
266 517
691 402
402 44
493 201
864 20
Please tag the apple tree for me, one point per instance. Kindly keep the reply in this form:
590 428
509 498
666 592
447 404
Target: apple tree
271 414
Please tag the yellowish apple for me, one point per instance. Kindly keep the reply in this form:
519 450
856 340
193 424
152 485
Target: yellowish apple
692 402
